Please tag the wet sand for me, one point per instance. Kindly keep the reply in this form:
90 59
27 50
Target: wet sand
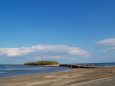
65 78
108 81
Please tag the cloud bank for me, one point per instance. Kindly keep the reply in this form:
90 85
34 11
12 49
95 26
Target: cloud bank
50 50
109 44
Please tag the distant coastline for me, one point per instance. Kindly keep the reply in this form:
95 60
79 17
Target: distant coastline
96 64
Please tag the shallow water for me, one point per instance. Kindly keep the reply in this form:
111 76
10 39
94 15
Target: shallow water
6 71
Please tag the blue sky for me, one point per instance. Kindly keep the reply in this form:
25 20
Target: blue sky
67 31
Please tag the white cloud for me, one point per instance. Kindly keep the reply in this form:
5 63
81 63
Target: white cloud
15 51
51 57
49 49
59 57
109 44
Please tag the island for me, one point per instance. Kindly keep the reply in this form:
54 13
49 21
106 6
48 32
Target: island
43 63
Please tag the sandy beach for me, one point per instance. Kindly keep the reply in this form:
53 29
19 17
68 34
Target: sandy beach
74 77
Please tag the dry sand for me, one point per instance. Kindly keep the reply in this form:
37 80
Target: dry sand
64 78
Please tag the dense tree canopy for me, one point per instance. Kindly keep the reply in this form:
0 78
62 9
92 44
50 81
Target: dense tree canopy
42 63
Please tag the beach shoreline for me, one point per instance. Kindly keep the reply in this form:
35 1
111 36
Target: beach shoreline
63 78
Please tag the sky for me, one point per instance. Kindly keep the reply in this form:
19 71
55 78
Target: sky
67 31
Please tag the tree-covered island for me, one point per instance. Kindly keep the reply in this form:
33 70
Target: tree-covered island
42 63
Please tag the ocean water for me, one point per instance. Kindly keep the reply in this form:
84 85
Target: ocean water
99 64
7 71
103 64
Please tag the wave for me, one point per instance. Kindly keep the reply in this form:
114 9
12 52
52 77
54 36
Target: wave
3 72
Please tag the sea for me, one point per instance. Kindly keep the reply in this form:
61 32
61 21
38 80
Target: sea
102 64
7 71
